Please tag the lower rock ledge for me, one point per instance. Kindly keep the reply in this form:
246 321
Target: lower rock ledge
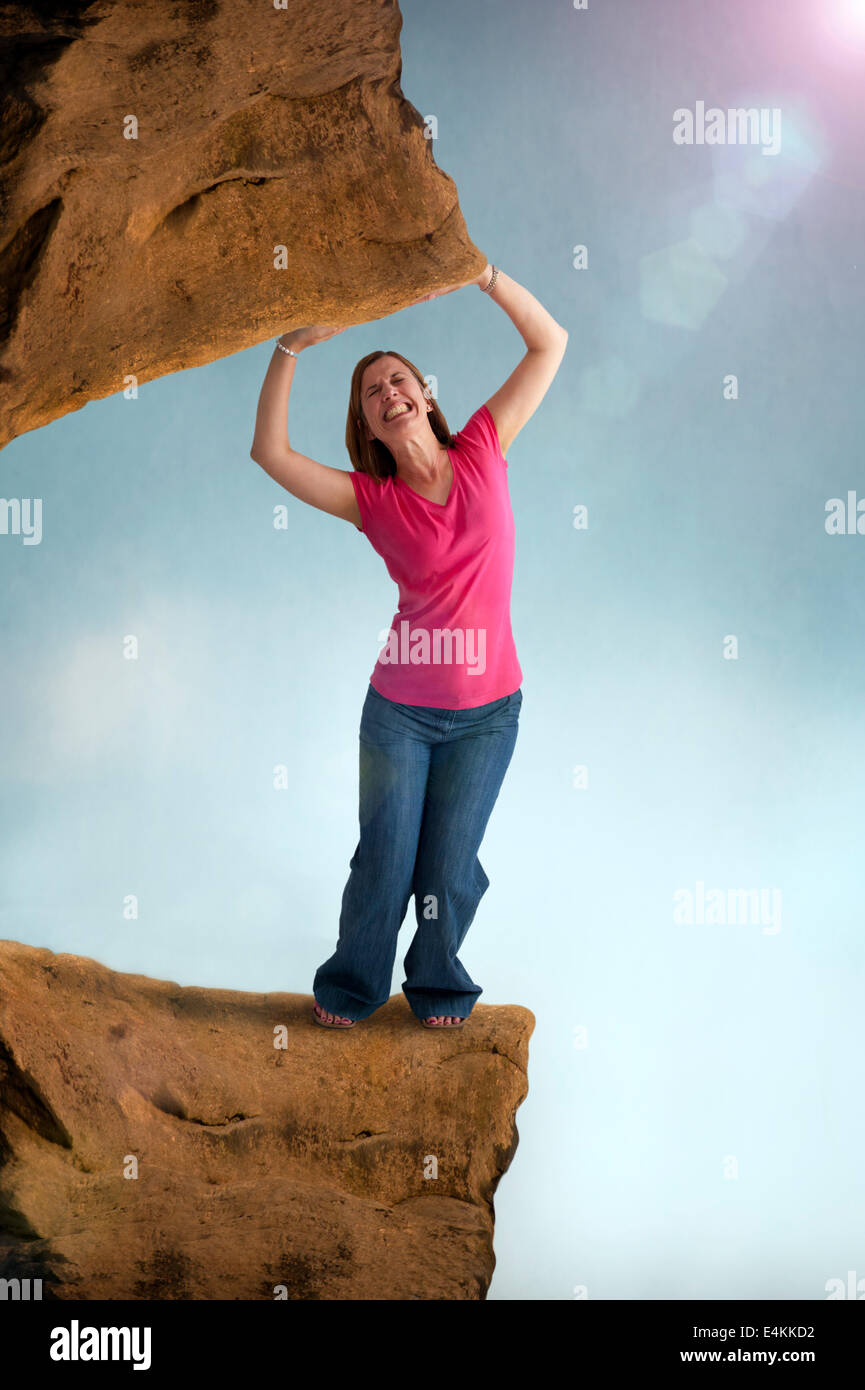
168 1142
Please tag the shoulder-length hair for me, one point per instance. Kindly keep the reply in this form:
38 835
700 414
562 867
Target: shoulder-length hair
370 455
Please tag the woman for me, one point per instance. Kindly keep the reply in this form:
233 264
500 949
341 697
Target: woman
439 723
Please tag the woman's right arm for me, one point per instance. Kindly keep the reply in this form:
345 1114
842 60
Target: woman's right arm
329 489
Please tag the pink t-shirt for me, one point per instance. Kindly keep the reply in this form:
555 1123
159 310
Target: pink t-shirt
450 643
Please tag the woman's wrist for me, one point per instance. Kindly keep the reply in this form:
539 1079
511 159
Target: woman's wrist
484 278
288 340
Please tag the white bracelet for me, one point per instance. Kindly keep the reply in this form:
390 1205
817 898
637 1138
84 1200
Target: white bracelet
285 349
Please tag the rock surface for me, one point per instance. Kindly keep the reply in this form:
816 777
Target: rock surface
356 1165
257 127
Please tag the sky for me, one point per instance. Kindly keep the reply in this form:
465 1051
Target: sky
675 863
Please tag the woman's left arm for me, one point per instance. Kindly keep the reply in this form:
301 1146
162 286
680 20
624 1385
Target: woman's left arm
516 401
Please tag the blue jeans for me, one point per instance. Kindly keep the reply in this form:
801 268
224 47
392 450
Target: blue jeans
429 779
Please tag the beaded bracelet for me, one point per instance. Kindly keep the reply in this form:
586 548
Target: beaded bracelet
285 349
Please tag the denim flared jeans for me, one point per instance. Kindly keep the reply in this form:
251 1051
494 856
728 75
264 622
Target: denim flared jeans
429 779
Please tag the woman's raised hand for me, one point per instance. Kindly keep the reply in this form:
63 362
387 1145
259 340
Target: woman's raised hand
299 338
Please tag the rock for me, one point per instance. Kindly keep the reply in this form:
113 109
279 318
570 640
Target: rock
257 128
309 1166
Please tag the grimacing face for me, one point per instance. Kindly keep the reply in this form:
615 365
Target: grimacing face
387 383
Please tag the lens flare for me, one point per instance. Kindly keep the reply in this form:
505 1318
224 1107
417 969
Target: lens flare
846 21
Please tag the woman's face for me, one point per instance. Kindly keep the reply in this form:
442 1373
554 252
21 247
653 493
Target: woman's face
392 398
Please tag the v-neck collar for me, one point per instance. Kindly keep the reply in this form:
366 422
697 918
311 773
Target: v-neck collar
429 500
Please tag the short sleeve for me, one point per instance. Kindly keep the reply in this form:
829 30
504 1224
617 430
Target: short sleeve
480 433
360 482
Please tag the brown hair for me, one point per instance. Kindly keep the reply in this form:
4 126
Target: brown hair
370 455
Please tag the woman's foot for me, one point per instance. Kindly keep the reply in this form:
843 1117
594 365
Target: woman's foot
332 1020
443 1021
